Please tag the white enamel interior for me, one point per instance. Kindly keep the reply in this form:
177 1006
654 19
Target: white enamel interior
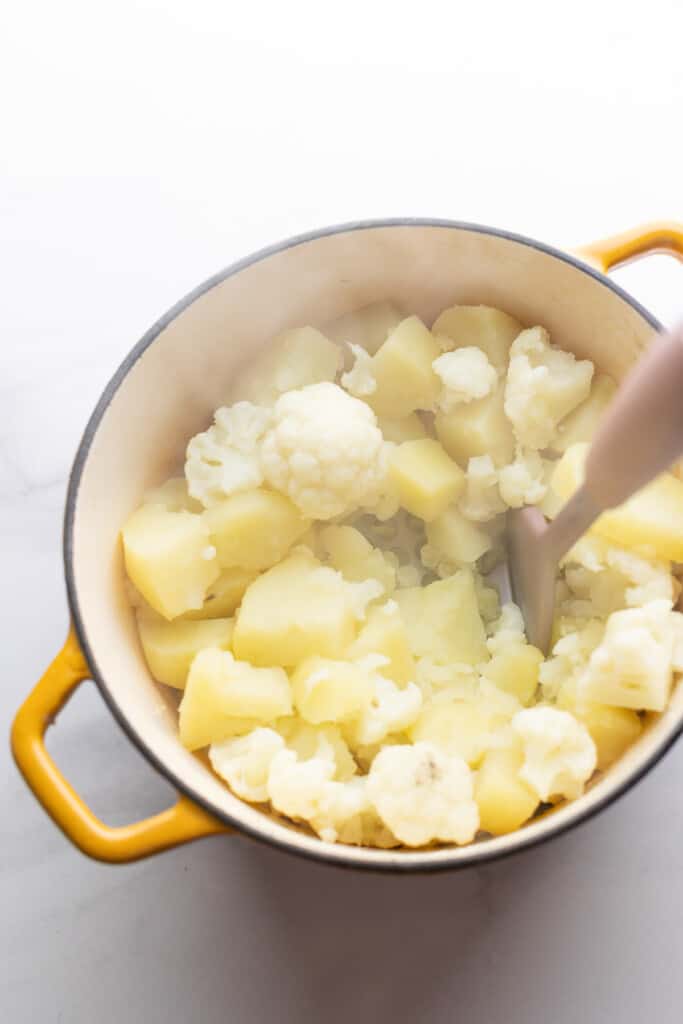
171 389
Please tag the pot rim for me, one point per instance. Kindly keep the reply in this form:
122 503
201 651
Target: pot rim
329 853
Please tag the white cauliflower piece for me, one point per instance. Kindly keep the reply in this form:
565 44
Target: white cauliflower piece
423 795
320 741
465 374
293 359
543 385
481 500
445 683
360 379
306 791
632 666
225 458
559 754
244 762
393 709
507 629
522 481
324 451
610 578
569 657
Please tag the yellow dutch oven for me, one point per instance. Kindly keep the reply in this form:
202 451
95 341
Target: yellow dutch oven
166 390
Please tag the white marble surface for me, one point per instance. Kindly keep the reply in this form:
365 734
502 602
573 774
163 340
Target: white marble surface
143 149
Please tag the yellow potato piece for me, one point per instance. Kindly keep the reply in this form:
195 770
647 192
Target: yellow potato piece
170 647
294 610
223 596
402 369
477 428
408 428
326 690
652 518
461 729
489 329
169 558
424 478
443 621
222 693
351 554
580 425
504 800
254 529
515 670
456 538
612 729
384 633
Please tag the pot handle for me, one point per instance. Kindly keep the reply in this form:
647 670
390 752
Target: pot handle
660 236
181 823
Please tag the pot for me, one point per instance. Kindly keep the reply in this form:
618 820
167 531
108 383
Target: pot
166 390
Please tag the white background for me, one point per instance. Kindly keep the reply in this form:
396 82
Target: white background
143 146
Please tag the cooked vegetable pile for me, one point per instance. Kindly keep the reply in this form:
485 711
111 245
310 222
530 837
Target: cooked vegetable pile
315 583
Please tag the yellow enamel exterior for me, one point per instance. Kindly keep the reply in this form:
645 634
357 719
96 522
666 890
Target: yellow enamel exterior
185 821
181 823
660 236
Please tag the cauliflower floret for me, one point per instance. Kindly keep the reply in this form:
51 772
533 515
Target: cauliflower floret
225 459
677 657
522 481
324 451
559 754
423 795
320 741
445 683
465 374
291 360
543 385
306 791
393 709
603 578
632 666
295 787
245 762
360 379
507 629
569 656
481 500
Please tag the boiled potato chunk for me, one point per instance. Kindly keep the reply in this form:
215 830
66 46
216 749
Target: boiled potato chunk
443 621
170 647
408 428
354 557
368 326
504 800
254 529
515 670
220 690
294 610
580 425
384 633
477 428
223 596
173 495
169 558
461 729
652 518
482 326
612 729
457 539
293 359
326 690
425 479
403 371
